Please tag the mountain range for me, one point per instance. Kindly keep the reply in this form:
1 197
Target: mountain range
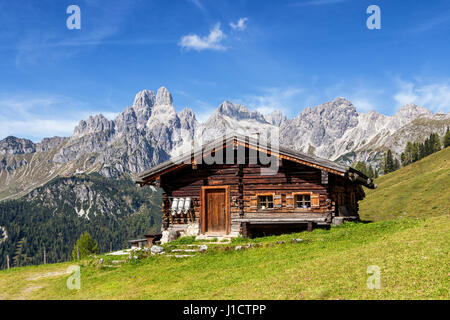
53 191
151 131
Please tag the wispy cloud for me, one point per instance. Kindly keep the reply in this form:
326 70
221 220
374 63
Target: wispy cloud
213 41
434 96
315 3
36 117
240 25
39 44
198 4
268 100
433 23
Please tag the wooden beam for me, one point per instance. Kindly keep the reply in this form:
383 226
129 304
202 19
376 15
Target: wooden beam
309 164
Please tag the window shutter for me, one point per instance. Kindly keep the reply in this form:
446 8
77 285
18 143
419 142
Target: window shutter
315 200
254 202
277 201
290 201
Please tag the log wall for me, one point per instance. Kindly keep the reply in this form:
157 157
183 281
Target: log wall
246 183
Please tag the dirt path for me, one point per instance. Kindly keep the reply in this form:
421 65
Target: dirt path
31 288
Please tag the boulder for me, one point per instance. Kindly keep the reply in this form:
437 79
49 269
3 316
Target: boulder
156 249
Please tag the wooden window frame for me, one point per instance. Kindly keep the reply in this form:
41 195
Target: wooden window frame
227 206
294 196
266 194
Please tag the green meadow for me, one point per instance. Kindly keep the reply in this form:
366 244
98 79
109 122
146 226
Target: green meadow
405 233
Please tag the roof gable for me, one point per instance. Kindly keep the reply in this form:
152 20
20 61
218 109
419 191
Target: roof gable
251 143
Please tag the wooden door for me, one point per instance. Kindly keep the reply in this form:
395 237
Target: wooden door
215 211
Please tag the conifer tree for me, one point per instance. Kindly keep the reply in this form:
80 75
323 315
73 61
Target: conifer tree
446 140
85 246
388 163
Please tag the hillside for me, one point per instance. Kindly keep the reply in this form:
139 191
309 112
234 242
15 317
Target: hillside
418 190
53 216
410 253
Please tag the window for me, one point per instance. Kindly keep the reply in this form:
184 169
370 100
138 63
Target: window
265 202
303 201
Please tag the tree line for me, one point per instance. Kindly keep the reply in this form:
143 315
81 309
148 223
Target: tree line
38 232
413 152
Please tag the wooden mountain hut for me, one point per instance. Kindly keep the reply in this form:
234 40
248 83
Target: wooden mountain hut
229 188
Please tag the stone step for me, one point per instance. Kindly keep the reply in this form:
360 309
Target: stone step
184 250
179 256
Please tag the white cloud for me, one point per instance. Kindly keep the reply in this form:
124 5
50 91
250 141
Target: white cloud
198 4
432 23
36 129
434 96
203 110
240 25
38 44
38 117
315 3
212 42
271 99
363 104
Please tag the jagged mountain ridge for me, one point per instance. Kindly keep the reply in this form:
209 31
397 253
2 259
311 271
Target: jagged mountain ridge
151 131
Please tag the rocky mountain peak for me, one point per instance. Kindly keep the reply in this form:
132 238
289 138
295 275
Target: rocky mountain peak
127 120
342 101
150 131
93 124
238 112
187 115
412 110
188 122
276 118
163 97
316 129
49 143
13 145
144 98
142 106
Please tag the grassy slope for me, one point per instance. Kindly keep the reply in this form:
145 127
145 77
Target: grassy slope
411 252
418 190
412 255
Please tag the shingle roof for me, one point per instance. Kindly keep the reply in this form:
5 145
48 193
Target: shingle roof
240 139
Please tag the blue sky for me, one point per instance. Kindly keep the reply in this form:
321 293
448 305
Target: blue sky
265 54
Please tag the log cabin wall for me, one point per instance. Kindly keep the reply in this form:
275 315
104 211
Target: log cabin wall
303 190
188 182
346 194
291 180
246 184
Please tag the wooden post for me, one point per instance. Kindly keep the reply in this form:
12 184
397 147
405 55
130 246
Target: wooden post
45 257
78 253
7 261
310 226
245 233
110 247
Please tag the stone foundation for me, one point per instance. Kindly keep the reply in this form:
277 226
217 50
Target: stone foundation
175 231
